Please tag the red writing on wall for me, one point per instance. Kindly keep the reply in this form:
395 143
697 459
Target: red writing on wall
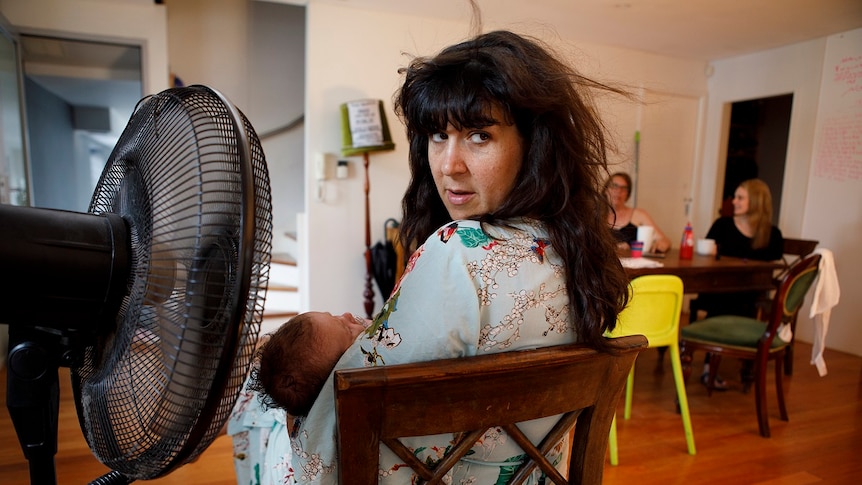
839 152
849 73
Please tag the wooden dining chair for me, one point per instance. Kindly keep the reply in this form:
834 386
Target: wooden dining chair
751 339
654 311
472 394
794 251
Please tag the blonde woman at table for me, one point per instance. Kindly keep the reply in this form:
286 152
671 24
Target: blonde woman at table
748 234
624 220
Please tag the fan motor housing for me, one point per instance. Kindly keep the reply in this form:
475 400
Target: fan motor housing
62 269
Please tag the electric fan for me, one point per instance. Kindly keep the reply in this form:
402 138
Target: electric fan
153 299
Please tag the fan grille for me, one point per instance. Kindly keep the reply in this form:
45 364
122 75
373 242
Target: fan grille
189 177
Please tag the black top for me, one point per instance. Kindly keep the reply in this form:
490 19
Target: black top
627 233
731 242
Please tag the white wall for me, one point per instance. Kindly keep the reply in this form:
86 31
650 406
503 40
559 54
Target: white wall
140 22
810 208
253 52
833 211
209 45
354 54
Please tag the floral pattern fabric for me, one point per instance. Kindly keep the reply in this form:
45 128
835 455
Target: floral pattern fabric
250 427
470 289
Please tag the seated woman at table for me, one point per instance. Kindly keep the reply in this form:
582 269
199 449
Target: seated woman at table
747 234
624 220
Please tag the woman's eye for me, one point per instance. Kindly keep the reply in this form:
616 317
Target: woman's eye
479 137
438 137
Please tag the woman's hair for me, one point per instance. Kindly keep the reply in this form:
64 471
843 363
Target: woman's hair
291 369
560 180
759 211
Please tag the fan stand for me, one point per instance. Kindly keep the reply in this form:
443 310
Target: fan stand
50 330
33 396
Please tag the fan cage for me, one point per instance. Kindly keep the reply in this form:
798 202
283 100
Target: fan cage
189 178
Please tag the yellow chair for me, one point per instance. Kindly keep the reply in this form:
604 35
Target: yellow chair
653 311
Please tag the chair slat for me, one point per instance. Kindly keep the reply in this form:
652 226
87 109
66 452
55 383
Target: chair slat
389 402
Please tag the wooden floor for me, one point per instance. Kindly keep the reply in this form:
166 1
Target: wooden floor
820 444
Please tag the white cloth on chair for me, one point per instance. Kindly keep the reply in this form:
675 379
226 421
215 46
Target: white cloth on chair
826 295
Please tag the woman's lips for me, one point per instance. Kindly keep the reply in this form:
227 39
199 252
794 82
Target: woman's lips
458 197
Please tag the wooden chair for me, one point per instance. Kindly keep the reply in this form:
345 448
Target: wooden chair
473 394
794 251
751 339
653 311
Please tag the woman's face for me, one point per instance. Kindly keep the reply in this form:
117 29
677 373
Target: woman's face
475 168
618 191
740 202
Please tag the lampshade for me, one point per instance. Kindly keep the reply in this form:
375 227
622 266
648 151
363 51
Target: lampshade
364 128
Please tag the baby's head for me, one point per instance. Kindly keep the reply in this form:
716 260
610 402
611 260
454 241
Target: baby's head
298 358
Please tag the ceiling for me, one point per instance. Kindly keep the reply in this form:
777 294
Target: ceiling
691 29
98 74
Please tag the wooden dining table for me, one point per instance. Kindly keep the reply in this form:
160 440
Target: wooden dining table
714 275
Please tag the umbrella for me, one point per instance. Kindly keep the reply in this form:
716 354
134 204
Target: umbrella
387 259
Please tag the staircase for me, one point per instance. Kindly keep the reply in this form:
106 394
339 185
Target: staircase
282 296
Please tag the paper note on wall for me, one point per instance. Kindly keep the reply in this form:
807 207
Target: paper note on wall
366 126
838 141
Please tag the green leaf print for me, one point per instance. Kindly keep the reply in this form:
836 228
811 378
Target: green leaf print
382 318
507 472
472 237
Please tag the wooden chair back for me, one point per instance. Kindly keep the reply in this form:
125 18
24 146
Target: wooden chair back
795 250
473 394
791 293
798 248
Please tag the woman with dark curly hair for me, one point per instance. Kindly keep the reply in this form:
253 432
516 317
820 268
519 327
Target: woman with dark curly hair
502 79
506 212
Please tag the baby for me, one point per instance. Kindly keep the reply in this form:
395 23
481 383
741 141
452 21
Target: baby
297 359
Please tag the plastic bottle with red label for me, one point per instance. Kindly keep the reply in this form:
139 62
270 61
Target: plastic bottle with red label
686 247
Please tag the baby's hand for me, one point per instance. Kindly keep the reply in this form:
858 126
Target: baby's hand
365 322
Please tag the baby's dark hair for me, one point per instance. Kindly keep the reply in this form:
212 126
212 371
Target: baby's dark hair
291 370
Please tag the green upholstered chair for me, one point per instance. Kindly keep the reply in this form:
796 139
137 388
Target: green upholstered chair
753 340
794 251
654 311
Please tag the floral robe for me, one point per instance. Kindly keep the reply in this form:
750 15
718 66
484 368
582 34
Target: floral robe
470 289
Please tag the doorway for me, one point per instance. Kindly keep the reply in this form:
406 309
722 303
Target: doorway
757 147
79 95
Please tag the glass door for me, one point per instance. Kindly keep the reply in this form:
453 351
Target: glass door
14 173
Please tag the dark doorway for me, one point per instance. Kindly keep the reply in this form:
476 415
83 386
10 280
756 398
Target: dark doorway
757 147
